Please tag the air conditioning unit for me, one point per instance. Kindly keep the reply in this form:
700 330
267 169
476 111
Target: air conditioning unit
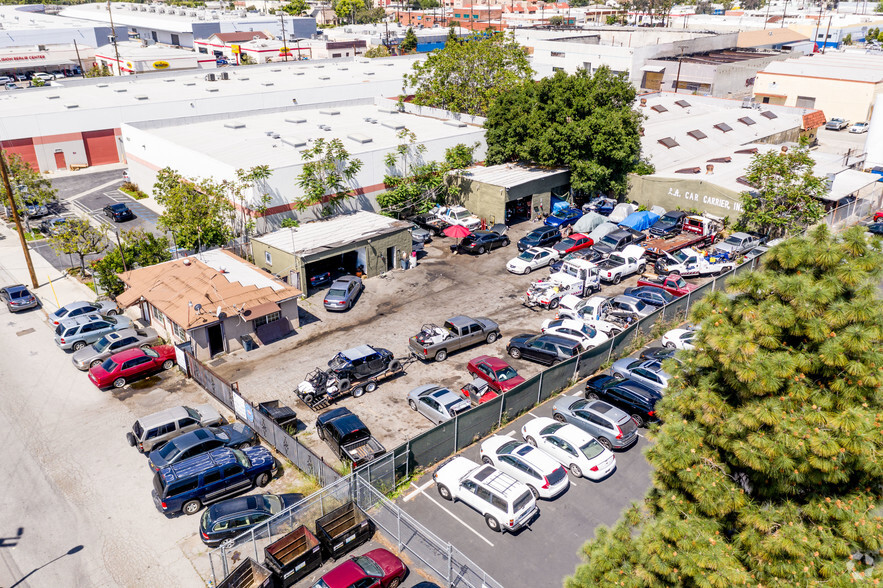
210 77
224 75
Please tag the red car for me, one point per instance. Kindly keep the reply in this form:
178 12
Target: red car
878 215
499 375
575 242
376 569
124 367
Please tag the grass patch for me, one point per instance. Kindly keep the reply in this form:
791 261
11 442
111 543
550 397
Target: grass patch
34 235
133 190
344 468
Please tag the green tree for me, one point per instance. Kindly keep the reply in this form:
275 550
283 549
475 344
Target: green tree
379 51
453 37
468 76
245 59
766 471
370 15
409 43
247 195
27 183
295 8
406 154
847 40
584 122
141 249
102 71
345 9
327 171
427 4
422 184
556 21
196 216
786 194
78 237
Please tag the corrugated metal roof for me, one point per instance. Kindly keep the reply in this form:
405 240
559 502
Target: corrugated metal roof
321 235
509 175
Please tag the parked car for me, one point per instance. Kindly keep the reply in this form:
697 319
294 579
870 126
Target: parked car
228 518
859 127
200 441
531 259
570 446
75 333
211 477
586 253
679 339
648 373
669 224
649 295
5 79
95 354
574 242
632 397
12 86
544 348
658 353
105 307
618 240
603 206
543 475
875 228
613 428
343 293
505 503
118 212
458 332
499 375
377 568
155 429
437 403
540 237
42 75
564 217
626 306
18 298
736 244
836 124
481 242
348 437
419 234
127 366
586 335
51 226
34 209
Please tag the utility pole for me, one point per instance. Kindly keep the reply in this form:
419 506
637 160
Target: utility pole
680 60
784 14
113 37
818 24
17 220
122 253
827 31
80 61
284 42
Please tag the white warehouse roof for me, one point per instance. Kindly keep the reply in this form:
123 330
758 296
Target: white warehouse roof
509 175
321 235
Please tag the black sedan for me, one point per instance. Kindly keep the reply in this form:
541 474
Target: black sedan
637 400
482 241
18 298
875 228
650 295
201 441
118 212
545 348
658 353
228 518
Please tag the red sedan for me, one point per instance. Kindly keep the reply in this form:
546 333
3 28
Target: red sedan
878 215
378 568
575 242
497 373
123 367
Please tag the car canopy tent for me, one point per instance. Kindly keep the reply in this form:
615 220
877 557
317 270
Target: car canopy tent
640 220
588 222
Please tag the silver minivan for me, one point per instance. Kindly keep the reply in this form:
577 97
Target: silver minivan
155 429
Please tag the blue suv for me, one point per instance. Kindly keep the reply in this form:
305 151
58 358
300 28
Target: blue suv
210 477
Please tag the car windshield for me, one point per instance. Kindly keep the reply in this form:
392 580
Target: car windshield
668 219
242 458
101 344
527 256
506 373
151 353
568 242
563 213
733 240
639 305
368 565
111 320
337 292
592 449
612 241
588 331
109 365
169 451
320 584
272 503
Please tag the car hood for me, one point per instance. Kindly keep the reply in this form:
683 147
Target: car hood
208 414
259 456
520 339
510 384
290 499
238 432
565 402
85 355
518 262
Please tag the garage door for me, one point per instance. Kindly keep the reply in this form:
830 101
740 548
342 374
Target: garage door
101 147
24 148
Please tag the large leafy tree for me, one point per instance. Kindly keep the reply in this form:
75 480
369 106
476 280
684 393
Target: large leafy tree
786 194
27 183
409 43
767 468
468 76
584 122
77 237
247 194
140 248
295 7
327 174
196 215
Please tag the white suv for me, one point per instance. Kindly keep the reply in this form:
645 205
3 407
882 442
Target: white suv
506 503
544 476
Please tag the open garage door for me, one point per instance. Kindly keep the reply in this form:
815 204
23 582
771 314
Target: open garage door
101 147
24 148
337 265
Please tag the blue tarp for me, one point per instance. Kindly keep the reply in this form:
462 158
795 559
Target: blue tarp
558 204
640 221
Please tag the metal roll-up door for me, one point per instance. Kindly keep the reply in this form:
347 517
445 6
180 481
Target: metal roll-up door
101 147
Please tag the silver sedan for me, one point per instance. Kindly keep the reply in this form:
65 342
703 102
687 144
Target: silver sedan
94 354
647 372
436 403
343 292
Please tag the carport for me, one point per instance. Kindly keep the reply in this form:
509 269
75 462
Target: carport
344 244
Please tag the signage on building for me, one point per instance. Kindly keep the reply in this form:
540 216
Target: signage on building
160 64
23 57
235 49
704 199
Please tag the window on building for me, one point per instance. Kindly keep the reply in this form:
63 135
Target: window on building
268 258
178 331
557 69
335 55
270 318
557 53
203 50
157 314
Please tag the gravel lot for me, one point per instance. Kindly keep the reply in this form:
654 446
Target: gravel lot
392 309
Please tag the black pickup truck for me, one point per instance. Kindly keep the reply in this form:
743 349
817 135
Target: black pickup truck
348 437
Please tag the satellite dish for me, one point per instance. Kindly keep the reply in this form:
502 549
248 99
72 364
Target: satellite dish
218 312
197 307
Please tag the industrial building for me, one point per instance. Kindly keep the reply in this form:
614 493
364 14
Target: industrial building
78 122
217 145
131 58
354 243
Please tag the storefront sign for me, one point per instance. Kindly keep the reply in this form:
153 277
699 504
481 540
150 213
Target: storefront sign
22 57
704 199
235 49
160 64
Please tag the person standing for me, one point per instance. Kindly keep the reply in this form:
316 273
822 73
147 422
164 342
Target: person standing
405 260
413 259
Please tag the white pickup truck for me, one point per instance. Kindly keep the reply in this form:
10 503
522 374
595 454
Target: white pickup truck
624 263
577 276
689 262
458 215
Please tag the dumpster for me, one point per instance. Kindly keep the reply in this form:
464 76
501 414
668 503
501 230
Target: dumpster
248 574
293 556
343 528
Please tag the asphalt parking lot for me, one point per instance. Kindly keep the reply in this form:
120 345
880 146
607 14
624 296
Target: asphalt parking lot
93 205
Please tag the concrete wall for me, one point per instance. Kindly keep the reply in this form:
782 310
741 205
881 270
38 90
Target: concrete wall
853 101
685 194
489 202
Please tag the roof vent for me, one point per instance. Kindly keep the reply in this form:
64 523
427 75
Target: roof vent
683 103
329 112
723 127
211 89
141 97
294 142
234 124
769 114
169 80
276 69
659 108
388 109
298 73
242 79
101 85
295 120
120 90
189 83
455 123
342 68
359 138
747 121
396 126
266 83
369 73
324 77
71 105
697 134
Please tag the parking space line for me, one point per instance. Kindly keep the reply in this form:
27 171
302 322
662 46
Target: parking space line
533 415
458 519
417 490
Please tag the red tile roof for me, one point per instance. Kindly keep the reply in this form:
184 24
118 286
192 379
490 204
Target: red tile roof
814 119
240 37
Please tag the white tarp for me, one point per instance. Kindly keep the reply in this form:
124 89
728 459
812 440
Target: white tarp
621 211
588 222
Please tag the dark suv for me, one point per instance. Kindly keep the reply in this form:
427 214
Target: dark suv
634 398
362 362
540 237
617 240
546 349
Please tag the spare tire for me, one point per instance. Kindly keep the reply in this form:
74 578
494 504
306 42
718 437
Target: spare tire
131 439
344 384
395 366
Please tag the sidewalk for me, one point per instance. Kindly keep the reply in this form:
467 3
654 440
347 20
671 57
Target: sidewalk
55 289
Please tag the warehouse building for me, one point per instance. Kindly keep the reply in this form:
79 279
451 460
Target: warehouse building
131 58
358 243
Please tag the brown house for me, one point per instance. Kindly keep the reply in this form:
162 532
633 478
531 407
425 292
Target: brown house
215 301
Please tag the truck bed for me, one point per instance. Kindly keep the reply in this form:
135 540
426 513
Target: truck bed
363 451
660 245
